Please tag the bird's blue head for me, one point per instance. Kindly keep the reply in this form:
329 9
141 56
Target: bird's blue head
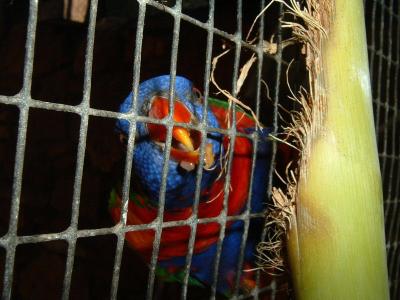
148 154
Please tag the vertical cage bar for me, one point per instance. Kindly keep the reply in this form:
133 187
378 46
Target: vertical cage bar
129 151
232 138
393 231
275 126
386 83
248 207
207 73
84 112
385 136
167 150
379 83
20 150
384 102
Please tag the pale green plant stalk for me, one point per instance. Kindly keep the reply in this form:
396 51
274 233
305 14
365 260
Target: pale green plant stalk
332 210
336 241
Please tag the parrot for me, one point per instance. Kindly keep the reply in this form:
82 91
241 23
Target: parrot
148 161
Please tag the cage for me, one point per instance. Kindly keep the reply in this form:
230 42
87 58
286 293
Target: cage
66 66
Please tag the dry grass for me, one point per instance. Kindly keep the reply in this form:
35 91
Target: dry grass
303 126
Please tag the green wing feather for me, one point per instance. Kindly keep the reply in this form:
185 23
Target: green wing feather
225 104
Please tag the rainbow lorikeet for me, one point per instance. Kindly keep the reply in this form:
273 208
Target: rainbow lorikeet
181 180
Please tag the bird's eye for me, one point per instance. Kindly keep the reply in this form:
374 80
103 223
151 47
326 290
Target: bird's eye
198 96
123 139
159 109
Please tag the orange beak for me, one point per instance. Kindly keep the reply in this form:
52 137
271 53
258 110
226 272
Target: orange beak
185 142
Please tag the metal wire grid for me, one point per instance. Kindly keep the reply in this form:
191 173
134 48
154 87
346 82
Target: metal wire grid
383 31
24 102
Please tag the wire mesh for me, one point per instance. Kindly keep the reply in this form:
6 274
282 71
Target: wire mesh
383 31
383 34
25 103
